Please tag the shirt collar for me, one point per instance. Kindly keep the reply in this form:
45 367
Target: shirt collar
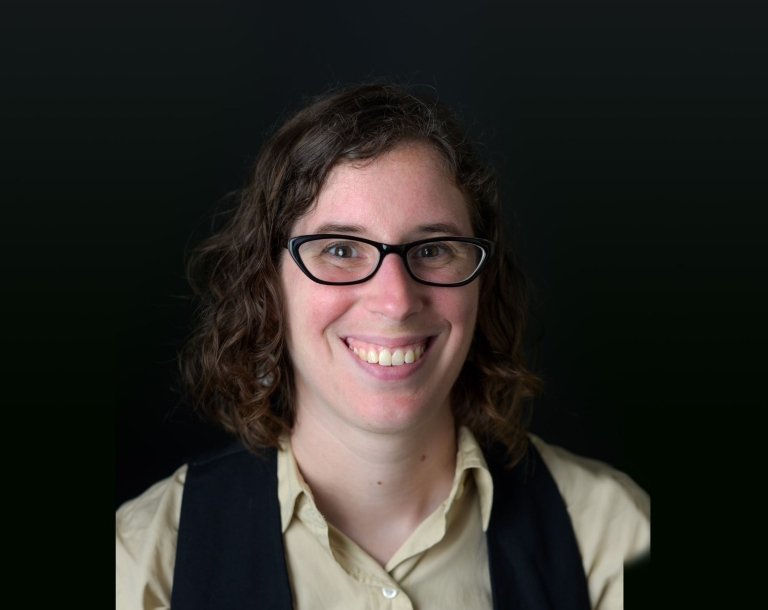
290 483
469 459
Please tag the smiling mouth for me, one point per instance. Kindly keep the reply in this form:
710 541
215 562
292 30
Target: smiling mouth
387 356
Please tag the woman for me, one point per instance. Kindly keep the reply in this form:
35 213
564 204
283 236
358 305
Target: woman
361 333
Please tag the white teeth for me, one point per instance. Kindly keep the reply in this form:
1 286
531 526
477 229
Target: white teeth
385 358
388 357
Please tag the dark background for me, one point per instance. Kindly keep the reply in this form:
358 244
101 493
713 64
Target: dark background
630 142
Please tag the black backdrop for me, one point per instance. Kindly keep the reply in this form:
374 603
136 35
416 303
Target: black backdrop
629 138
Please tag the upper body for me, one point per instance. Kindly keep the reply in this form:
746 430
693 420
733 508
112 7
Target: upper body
436 567
362 304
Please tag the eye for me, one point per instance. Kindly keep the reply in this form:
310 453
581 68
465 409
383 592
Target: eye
428 251
433 250
341 250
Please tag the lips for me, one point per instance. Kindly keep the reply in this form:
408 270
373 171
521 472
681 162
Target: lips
389 355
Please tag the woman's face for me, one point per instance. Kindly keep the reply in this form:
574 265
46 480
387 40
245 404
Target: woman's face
402 196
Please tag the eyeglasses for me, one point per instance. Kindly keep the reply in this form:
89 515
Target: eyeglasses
341 260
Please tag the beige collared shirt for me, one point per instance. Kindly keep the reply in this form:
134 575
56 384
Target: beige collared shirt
443 564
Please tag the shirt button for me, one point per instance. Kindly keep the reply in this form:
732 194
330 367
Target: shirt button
389 593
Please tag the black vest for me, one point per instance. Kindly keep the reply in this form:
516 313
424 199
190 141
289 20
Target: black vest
230 552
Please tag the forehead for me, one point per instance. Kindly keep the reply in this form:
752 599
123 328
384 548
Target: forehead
391 197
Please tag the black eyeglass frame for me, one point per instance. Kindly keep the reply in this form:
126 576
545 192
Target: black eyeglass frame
294 243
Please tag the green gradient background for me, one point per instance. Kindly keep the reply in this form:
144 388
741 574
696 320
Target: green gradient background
630 142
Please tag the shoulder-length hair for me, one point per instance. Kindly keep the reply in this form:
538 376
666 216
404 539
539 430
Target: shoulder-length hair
236 365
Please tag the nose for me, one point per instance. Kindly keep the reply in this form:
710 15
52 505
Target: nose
392 292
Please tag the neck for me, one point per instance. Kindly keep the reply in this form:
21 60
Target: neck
376 487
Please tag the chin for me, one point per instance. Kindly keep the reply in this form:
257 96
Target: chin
393 415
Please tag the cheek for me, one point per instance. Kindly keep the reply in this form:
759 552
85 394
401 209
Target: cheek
294 297
318 310
463 309
310 308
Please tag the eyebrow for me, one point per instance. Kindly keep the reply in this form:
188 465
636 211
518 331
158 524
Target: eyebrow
333 227
440 227
444 228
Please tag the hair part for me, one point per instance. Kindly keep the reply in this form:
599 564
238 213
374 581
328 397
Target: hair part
236 365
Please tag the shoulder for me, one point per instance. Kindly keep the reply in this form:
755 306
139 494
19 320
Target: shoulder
599 497
144 511
231 460
610 514
146 529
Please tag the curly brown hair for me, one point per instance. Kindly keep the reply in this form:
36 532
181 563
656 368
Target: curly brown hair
236 364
